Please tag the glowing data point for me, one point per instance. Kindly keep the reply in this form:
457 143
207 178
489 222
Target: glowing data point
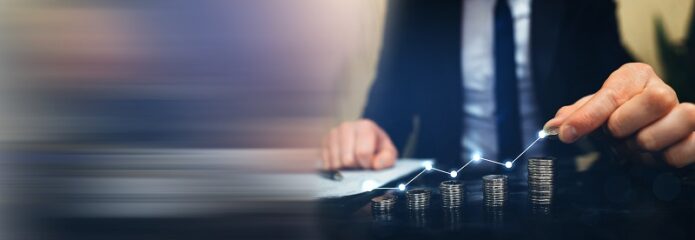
453 174
401 187
428 165
369 185
508 164
476 157
542 134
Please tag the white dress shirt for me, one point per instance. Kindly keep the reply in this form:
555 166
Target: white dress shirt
479 77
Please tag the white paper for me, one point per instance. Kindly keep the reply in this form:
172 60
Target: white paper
353 180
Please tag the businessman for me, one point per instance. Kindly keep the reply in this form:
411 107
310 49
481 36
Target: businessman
482 76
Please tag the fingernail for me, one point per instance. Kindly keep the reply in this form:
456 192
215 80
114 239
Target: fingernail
550 123
568 133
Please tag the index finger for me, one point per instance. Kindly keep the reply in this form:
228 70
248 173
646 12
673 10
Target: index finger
626 82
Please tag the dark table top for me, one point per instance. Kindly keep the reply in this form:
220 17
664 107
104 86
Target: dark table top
602 203
635 203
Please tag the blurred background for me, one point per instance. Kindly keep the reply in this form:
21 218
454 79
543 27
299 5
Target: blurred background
179 108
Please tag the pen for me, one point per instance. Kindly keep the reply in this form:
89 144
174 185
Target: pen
331 174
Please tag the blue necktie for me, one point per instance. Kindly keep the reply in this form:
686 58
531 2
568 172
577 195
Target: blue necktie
506 91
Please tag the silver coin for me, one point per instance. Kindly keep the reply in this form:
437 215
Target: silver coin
551 131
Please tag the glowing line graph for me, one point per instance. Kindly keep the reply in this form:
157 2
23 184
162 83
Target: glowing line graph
475 158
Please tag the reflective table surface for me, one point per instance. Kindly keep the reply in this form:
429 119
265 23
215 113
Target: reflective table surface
607 204
602 203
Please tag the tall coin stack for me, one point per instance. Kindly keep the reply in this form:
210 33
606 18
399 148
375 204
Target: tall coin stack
418 198
452 193
384 203
494 190
540 180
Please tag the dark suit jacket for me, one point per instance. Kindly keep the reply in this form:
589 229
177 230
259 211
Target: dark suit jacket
574 46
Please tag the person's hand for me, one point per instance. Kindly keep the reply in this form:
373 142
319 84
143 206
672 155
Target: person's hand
358 144
634 101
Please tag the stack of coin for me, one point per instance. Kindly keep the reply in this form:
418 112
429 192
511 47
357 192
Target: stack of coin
384 203
540 180
418 198
452 193
494 190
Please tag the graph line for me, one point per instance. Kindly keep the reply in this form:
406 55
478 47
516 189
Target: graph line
411 180
439 170
475 158
492 161
465 165
525 150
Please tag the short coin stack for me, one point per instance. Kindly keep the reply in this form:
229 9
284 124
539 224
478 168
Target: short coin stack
494 190
540 180
418 198
452 193
384 203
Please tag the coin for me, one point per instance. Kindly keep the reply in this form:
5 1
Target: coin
551 131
